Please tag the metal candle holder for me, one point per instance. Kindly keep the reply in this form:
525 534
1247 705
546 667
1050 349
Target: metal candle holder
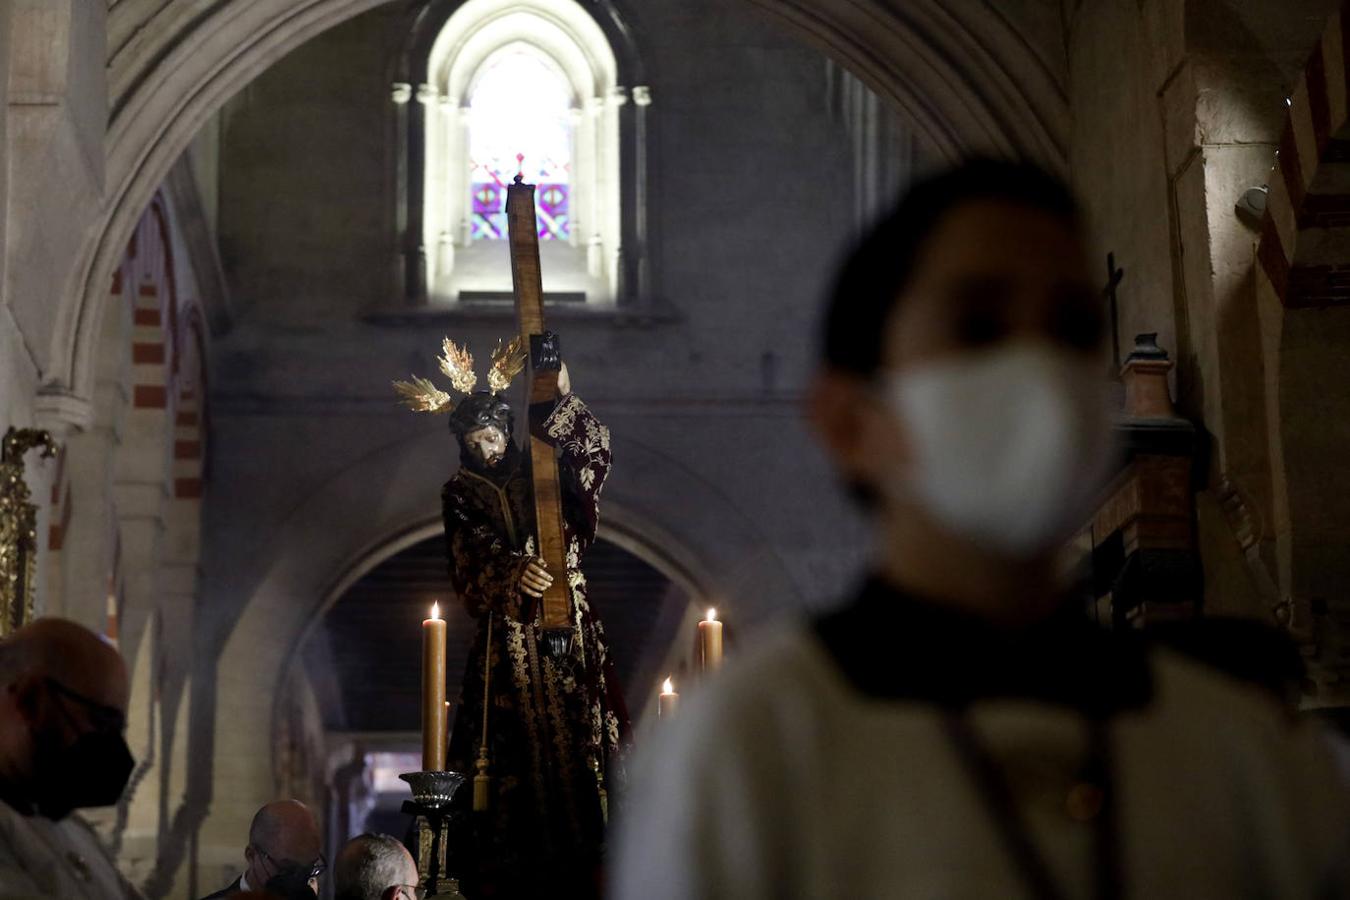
431 826
433 790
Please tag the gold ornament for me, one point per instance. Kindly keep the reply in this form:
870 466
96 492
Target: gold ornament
508 360
456 363
422 396
18 528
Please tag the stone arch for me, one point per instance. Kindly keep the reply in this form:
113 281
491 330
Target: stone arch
637 537
173 65
1303 294
645 540
561 29
133 475
317 561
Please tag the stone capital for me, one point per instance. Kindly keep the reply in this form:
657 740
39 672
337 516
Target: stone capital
62 413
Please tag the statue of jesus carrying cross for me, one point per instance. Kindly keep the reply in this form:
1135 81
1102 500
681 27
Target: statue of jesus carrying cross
541 716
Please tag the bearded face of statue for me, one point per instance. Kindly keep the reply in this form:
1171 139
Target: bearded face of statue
487 444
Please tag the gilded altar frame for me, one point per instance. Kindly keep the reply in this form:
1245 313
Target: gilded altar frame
18 528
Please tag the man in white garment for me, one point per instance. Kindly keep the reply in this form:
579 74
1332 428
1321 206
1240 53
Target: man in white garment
63 703
956 730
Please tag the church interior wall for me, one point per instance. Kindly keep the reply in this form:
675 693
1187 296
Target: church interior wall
123 508
1175 108
57 107
317 251
170 66
1240 67
203 159
1118 163
17 372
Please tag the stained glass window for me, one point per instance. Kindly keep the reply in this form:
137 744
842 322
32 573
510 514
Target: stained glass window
520 122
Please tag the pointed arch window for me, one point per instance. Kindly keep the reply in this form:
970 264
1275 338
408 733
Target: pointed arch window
529 87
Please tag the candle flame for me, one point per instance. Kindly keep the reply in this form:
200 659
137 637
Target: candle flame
667 687
712 614
435 610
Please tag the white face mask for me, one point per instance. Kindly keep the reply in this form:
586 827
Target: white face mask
1009 445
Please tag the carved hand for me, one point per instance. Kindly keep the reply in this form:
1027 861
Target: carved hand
534 578
564 382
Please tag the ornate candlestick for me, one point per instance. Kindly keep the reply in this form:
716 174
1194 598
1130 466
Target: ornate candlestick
434 788
430 808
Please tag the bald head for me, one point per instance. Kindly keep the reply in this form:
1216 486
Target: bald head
287 831
69 653
63 707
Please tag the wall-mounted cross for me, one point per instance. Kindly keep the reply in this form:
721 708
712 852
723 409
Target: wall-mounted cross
1114 277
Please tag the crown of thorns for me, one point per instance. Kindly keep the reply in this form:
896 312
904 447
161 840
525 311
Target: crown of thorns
456 363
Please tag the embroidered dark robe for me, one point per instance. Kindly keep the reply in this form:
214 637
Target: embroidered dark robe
557 729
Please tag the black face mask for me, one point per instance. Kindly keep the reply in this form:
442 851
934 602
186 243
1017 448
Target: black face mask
291 883
92 771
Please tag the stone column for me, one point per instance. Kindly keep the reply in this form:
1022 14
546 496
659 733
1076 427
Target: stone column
642 101
591 187
609 163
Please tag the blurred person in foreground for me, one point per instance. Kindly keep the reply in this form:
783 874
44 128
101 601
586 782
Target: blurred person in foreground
957 729
375 867
282 856
63 711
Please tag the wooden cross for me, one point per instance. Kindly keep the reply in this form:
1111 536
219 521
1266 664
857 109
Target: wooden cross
542 384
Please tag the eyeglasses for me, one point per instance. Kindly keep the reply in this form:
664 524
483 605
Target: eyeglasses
316 868
405 892
101 716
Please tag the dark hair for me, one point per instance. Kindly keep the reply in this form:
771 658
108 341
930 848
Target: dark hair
874 274
481 409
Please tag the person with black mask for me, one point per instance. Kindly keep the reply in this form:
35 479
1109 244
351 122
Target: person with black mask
283 855
63 706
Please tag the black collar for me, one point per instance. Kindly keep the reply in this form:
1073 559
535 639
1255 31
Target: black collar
15 800
891 645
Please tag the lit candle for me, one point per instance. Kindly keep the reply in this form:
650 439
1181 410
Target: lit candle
710 641
433 692
666 703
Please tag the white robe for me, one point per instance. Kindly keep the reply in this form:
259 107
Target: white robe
779 780
45 860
